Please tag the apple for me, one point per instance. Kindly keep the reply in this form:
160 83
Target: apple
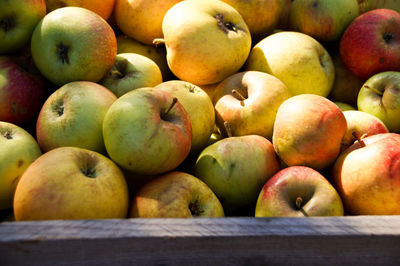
324 20
158 54
147 131
298 191
236 168
18 19
73 116
380 96
71 183
295 58
103 8
367 175
176 195
249 101
73 44
261 16
210 89
131 71
308 131
206 41
371 44
22 93
18 150
344 106
199 107
361 123
367 5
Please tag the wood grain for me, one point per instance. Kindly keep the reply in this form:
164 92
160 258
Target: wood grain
219 241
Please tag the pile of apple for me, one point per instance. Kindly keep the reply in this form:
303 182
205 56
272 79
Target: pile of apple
199 108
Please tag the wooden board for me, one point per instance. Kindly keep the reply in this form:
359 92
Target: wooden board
222 241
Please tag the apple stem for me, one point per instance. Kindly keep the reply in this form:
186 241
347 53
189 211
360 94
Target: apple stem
239 96
299 201
228 128
116 73
158 41
374 90
174 101
359 139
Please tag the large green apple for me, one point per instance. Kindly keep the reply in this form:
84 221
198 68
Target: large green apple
380 96
206 40
73 44
73 116
295 58
176 195
71 183
18 19
308 131
298 191
18 150
146 131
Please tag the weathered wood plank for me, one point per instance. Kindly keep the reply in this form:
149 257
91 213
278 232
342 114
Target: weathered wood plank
223 241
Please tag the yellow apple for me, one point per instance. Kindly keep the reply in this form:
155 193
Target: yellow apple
103 8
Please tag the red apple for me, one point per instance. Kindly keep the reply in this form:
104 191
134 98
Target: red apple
371 43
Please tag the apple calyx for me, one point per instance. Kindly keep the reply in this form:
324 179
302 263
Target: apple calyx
228 128
7 23
239 96
388 37
7 134
194 208
374 90
359 138
62 52
88 172
225 26
174 101
59 109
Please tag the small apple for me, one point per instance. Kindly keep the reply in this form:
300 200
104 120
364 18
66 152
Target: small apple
298 191
103 8
249 101
298 60
73 116
199 107
344 106
71 183
206 41
380 96
18 150
73 44
371 43
308 131
367 5
22 93
176 195
131 71
367 175
18 19
147 131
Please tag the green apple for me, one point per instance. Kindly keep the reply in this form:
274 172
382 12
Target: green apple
18 19
380 96
367 175
71 183
308 131
73 44
249 101
324 20
146 131
18 150
297 59
298 191
131 71
236 168
206 40
344 106
73 116
176 195
199 107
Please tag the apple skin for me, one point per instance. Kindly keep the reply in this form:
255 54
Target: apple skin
176 195
345 106
18 150
371 44
199 107
324 20
18 19
367 5
295 58
255 114
71 183
139 139
73 44
21 93
308 131
380 96
279 195
103 8
73 116
367 176
206 41
236 168
131 71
